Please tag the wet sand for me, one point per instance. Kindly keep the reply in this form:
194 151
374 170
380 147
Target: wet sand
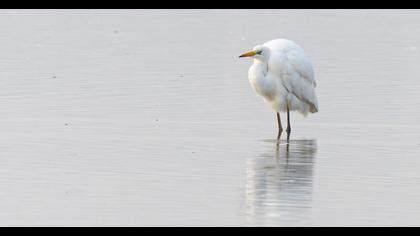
146 118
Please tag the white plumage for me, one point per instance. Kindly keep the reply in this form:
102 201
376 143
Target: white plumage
283 75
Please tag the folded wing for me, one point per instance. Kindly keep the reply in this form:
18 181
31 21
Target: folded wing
294 70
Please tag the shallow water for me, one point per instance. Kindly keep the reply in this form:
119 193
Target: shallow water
146 118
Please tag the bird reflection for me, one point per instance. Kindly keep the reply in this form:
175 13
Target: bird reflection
279 183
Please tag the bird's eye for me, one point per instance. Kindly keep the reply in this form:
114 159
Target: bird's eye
259 52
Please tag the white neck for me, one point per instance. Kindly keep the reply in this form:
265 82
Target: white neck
260 67
262 84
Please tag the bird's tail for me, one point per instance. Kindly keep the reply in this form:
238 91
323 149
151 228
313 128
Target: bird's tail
313 108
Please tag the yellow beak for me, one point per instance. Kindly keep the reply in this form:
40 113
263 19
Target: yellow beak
248 54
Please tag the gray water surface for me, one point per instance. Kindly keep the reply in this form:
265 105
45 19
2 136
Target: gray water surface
147 118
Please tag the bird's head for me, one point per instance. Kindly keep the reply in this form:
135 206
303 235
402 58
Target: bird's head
259 52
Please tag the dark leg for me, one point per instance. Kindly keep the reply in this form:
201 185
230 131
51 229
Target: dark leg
279 124
288 122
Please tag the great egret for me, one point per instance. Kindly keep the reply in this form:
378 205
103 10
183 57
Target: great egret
284 77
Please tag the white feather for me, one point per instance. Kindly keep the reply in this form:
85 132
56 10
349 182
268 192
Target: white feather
284 77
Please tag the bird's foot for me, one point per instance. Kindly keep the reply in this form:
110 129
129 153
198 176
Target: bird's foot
279 134
288 137
288 130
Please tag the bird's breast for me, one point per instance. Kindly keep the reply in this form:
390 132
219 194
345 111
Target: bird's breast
262 82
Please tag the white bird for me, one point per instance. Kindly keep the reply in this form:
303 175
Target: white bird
283 75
